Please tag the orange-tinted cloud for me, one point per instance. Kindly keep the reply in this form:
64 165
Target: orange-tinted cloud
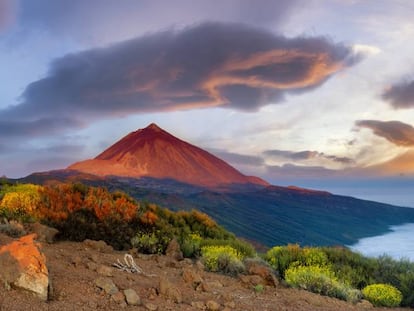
399 133
400 95
400 165
208 65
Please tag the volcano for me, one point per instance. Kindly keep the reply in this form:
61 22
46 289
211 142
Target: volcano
153 152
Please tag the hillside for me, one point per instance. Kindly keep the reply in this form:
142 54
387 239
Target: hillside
280 215
270 216
75 267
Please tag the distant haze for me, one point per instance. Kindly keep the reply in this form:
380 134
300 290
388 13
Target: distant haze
397 191
398 244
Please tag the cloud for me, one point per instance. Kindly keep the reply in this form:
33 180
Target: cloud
399 133
7 11
63 18
400 95
38 127
296 171
365 49
402 165
306 155
238 159
208 65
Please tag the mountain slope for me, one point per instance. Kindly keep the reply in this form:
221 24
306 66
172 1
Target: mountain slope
279 215
154 152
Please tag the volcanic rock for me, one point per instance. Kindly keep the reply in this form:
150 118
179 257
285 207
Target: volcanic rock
24 266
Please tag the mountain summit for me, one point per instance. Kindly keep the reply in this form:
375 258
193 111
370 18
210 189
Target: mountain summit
153 152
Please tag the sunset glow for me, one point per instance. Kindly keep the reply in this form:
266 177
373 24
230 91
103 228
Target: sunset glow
299 93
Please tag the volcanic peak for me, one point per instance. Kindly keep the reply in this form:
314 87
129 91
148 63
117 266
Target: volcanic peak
153 152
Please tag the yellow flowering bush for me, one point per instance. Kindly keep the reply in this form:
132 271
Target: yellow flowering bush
222 258
382 295
20 200
320 280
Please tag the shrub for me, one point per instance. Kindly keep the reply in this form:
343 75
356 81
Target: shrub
382 295
150 243
190 246
320 280
406 287
281 257
313 256
222 259
244 249
351 267
19 202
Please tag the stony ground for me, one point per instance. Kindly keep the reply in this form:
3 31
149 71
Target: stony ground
83 279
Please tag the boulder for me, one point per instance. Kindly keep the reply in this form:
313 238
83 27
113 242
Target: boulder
44 233
261 269
132 297
107 285
24 266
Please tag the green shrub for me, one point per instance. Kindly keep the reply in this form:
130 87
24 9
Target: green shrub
224 259
406 286
320 280
190 246
281 257
350 267
150 243
382 295
243 248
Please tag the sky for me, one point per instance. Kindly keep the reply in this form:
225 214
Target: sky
310 93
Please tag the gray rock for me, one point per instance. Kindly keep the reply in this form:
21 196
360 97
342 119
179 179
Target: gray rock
44 233
132 297
107 285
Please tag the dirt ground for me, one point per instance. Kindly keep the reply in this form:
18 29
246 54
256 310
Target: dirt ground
75 267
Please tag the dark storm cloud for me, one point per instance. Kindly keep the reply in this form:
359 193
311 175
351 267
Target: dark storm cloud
38 127
208 65
236 158
399 133
401 95
306 155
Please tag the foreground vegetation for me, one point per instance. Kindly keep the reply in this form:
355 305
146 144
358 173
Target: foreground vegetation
81 212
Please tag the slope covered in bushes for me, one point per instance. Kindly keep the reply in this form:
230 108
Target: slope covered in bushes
82 212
